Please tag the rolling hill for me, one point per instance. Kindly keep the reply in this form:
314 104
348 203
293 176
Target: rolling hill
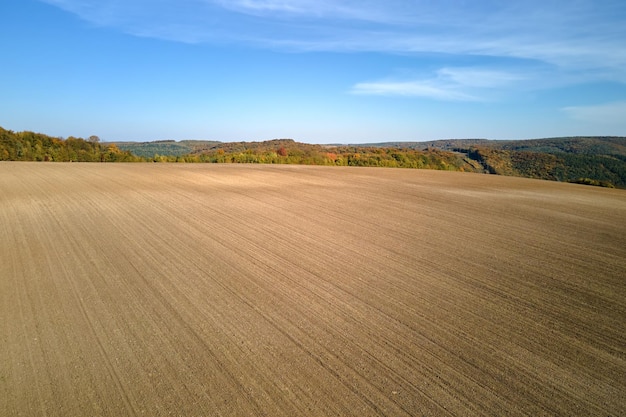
597 160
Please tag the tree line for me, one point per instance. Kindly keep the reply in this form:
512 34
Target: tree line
602 170
31 146
579 165
305 154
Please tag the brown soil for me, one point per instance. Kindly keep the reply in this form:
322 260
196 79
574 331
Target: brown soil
232 290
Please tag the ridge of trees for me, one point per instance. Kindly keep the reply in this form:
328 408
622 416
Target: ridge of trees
588 145
287 151
602 170
593 160
164 147
31 146
585 160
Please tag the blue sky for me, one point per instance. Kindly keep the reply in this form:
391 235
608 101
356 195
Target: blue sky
323 71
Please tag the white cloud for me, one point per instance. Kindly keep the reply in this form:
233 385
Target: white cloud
584 36
479 77
373 11
411 89
602 114
449 83
270 6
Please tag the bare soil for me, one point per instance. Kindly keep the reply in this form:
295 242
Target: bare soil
232 290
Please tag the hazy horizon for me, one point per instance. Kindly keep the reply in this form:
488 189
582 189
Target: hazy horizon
351 143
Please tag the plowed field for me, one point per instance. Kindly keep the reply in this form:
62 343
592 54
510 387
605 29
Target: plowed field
235 290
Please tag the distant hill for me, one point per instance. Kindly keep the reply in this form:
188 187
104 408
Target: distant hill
592 145
572 145
164 147
288 151
443 144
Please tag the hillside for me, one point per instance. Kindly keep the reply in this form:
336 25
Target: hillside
572 145
587 160
288 151
164 147
588 145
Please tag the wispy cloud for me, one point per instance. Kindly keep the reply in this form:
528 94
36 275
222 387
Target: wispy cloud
478 77
450 84
585 36
361 10
411 89
511 28
289 6
602 114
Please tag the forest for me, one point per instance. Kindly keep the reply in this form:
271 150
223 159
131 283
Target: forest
30 146
602 170
586 160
